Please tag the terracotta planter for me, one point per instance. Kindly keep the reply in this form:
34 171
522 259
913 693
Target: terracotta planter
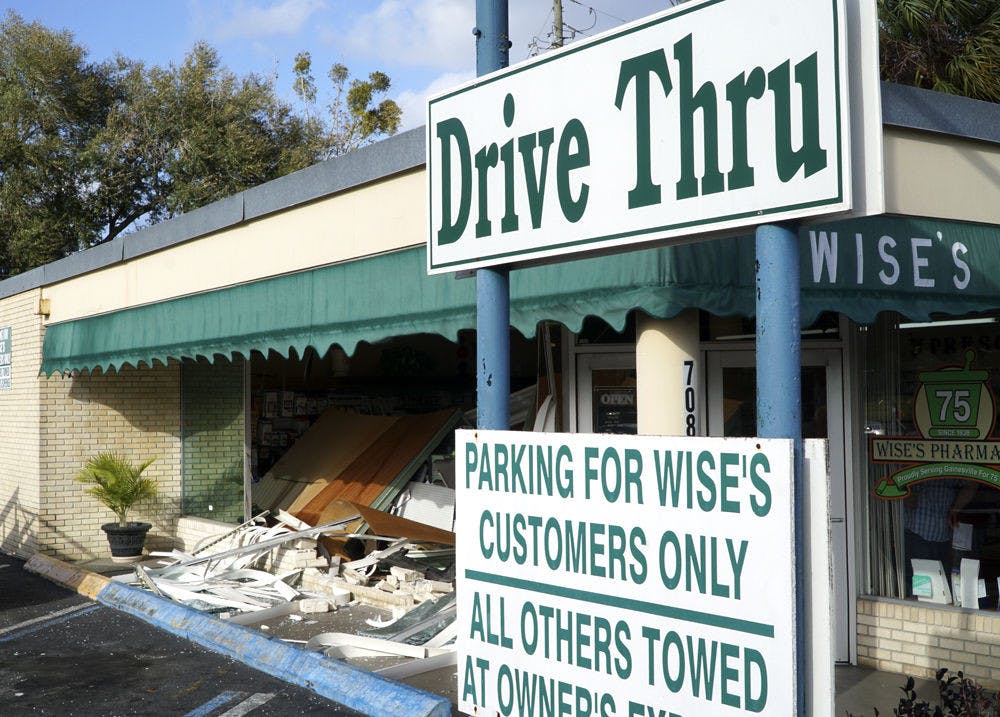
126 541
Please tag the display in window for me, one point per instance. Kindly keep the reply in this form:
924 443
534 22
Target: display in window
945 458
953 408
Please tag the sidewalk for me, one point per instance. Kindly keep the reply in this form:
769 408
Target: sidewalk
859 690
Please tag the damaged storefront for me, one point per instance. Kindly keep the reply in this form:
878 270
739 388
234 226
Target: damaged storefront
284 355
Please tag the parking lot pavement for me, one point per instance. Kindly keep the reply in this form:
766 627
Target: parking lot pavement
24 596
63 655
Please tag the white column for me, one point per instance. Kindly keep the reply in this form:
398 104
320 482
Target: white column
668 387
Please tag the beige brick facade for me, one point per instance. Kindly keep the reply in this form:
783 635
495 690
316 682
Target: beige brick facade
918 639
132 411
50 426
20 418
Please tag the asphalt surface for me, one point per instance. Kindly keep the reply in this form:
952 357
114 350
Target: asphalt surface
63 655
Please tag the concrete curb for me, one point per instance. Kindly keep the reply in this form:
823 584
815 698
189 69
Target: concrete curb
345 684
69 576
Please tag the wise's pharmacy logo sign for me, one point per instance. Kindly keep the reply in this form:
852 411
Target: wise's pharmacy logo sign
953 412
707 117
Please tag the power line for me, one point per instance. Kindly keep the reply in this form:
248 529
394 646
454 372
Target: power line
534 48
594 10
566 32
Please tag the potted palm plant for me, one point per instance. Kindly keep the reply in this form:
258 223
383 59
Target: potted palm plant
118 484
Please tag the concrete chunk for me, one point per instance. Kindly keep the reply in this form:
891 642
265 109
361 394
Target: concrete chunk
310 605
405 575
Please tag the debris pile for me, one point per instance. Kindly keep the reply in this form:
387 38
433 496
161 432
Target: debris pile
352 551
282 570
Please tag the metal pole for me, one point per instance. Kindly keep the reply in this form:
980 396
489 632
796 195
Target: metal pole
492 285
779 389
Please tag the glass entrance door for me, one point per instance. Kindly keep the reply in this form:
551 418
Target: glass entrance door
732 411
607 400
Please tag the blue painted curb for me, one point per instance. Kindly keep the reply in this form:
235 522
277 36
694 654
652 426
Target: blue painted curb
350 686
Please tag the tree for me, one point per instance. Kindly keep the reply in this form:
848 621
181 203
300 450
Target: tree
91 150
354 115
51 104
179 138
224 133
945 45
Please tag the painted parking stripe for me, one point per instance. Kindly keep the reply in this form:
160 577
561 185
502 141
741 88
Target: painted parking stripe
250 703
32 621
38 623
215 703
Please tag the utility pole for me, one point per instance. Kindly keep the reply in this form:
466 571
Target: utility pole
492 284
557 23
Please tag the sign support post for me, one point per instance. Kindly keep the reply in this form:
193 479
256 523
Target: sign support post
493 284
667 129
779 390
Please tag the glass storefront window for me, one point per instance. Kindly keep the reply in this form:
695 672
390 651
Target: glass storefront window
932 458
742 328
614 401
212 417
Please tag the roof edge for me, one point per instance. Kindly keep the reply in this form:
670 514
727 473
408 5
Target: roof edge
939 112
902 106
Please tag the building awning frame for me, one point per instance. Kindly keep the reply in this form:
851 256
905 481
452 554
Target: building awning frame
860 268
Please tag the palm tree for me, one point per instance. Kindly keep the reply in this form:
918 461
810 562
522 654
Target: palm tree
117 483
945 45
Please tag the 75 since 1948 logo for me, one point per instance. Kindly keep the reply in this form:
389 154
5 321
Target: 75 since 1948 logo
953 411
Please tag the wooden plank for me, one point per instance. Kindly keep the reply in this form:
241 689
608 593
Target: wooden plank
331 444
389 494
393 526
388 463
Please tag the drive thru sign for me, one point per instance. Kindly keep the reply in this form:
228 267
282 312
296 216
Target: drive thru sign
710 117
624 576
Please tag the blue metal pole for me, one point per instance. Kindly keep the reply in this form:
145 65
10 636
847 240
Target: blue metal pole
779 389
493 349
492 285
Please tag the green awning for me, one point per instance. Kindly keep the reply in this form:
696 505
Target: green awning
914 266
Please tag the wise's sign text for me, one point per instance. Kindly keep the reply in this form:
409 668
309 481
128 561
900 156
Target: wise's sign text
621 575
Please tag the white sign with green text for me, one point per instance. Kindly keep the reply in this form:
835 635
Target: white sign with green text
624 576
707 117
5 354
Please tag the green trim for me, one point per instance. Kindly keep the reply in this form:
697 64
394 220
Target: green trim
836 96
647 608
917 474
388 295
530 254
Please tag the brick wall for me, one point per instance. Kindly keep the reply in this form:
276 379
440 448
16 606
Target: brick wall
916 639
19 423
132 411
213 439
191 532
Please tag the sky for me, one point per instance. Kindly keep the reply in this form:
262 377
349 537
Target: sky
425 46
